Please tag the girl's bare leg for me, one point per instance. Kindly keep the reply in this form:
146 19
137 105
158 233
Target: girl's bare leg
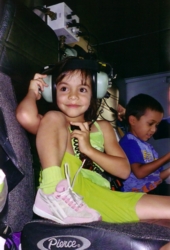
153 207
166 247
52 139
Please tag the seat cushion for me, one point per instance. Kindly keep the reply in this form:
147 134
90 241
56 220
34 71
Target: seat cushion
43 234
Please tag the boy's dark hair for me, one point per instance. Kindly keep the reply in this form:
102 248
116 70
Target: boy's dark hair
139 104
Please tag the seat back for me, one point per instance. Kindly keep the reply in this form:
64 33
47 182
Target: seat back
26 45
21 197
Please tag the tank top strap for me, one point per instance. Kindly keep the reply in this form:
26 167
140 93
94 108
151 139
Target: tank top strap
98 127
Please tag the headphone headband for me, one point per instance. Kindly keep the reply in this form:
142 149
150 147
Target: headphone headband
101 74
77 63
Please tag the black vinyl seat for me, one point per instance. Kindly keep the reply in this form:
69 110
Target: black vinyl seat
94 236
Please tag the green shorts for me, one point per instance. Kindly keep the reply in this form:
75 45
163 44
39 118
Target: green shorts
112 205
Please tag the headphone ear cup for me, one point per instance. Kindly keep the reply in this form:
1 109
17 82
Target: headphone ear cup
47 92
102 84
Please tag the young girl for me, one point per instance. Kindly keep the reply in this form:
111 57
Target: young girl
56 198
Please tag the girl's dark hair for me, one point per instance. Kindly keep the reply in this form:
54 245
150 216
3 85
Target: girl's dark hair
138 105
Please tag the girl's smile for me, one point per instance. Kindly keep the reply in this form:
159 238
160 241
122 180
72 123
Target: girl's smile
73 106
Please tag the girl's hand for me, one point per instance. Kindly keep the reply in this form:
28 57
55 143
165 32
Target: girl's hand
83 136
37 85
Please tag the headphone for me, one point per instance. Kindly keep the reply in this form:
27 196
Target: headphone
102 74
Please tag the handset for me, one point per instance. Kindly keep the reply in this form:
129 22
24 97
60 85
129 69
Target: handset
73 127
76 146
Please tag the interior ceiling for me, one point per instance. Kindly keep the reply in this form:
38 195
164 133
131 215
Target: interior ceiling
130 34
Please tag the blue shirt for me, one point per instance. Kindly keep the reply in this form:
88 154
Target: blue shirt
142 152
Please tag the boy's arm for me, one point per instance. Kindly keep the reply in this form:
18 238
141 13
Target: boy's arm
135 156
27 111
143 170
165 174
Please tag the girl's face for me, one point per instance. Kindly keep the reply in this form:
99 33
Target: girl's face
74 96
146 126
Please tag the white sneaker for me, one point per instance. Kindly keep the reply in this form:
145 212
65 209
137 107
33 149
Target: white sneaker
3 190
64 205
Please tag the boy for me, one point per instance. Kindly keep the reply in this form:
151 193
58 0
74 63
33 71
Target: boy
143 114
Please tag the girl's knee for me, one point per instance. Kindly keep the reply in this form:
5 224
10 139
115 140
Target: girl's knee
54 117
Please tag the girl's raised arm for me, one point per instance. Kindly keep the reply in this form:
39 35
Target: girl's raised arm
27 111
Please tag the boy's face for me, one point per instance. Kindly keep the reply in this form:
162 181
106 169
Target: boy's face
146 126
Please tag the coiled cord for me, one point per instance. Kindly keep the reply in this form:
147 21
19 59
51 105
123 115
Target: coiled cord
88 163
